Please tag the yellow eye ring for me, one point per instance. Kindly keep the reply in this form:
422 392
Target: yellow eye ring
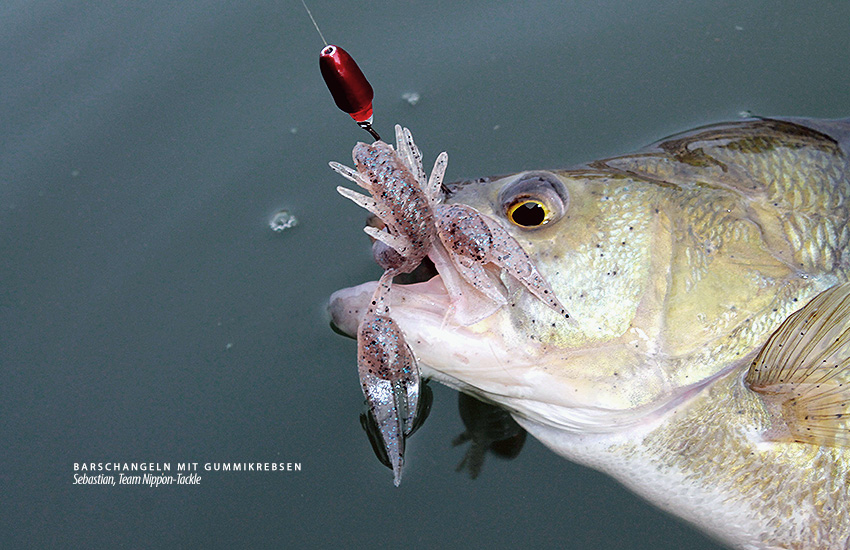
529 212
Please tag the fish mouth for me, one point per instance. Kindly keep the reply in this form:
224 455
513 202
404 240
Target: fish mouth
490 361
447 351
445 320
482 357
348 305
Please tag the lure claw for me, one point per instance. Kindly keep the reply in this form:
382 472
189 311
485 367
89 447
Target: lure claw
389 376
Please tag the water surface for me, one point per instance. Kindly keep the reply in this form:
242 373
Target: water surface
148 313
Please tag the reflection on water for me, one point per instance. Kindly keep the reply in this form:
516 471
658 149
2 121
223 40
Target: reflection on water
489 429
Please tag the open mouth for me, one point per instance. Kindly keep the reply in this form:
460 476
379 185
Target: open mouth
424 271
430 290
428 297
422 287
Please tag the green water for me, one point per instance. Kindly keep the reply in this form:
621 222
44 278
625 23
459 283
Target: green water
149 314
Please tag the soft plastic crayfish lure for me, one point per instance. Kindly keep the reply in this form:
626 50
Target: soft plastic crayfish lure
464 245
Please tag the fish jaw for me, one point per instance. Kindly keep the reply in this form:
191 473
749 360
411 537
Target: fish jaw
492 360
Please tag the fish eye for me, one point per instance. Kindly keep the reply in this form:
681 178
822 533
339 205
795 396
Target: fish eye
528 212
534 200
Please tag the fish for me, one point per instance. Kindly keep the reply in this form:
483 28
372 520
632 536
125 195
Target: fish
705 363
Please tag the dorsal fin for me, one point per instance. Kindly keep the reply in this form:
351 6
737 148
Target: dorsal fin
712 157
803 371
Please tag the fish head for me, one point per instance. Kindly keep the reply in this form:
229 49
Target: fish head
672 270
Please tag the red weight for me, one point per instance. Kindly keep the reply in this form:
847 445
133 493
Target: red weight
351 91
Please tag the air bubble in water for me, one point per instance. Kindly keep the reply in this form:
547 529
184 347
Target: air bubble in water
411 97
282 220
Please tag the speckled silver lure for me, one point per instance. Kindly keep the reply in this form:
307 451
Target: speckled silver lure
458 239
389 375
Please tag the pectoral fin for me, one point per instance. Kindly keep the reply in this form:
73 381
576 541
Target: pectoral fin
803 371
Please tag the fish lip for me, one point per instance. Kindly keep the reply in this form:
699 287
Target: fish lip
415 305
424 313
347 305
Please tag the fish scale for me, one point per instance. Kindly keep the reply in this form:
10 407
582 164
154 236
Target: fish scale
722 462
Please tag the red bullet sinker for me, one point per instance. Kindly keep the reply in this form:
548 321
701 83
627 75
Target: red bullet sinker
351 91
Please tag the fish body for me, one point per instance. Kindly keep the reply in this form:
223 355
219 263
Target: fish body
706 360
